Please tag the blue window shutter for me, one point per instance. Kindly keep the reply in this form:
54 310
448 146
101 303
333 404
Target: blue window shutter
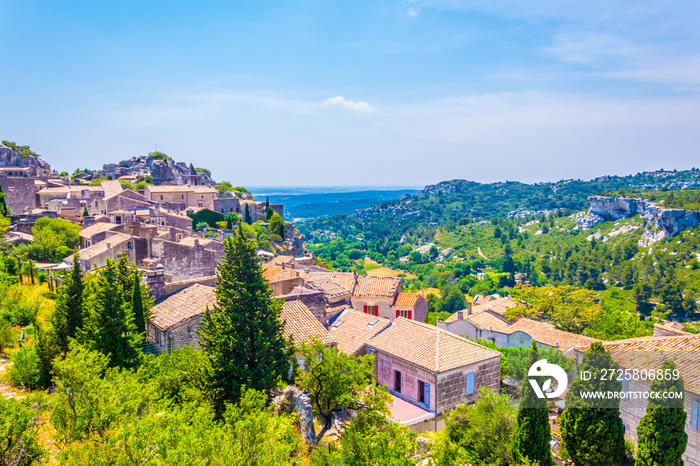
427 394
695 415
470 383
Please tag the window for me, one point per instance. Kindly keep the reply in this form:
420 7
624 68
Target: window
222 210
161 197
406 314
424 393
695 415
128 245
373 310
470 383
397 381
182 196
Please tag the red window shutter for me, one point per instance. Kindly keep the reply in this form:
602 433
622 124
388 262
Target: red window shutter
376 311
410 314
365 309
398 313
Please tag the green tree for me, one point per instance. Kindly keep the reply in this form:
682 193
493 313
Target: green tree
268 209
243 333
109 328
85 212
247 216
137 305
591 429
3 206
483 430
661 436
335 380
68 316
532 435
54 238
277 225
19 433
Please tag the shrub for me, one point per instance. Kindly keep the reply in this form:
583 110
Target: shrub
8 336
27 370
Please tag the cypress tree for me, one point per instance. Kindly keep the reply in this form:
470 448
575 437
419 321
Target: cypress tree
137 307
591 429
661 437
242 335
268 209
248 219
68 316
109 328
229 222
532 435
85 212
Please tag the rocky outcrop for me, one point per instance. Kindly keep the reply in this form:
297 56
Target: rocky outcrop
163 170
10 158
660 223
290 400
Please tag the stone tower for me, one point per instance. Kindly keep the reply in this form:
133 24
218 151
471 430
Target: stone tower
192 178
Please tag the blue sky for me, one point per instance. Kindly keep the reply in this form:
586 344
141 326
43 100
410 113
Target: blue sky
357 93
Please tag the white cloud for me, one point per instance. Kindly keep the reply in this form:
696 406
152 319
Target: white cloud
411 12
359 106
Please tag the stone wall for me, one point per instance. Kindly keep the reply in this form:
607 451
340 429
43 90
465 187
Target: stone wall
385 367
386 309
184 262
21 193
314 301
186 333
452 386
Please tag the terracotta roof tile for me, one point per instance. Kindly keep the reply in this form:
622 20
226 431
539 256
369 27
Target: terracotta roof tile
500 305
650 352
282 259
407 299
675 328
300 324
352 329
489 319
273 273
345 280
328 287
376 287
548 334
428 346
183 305
101 247
96 228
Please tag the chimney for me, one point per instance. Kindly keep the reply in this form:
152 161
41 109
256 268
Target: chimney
460 315
196 243
156 280
469 308
283 266
109 245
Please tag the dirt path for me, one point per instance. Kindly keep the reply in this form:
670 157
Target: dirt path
482 254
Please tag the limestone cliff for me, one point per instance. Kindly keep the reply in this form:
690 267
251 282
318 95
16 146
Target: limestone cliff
11 158
660 222
162 168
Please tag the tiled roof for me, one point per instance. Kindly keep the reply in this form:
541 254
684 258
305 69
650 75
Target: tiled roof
548 334
96 228
345 280
273 273
500 305
337 307
282 259
376 287
675 328
300 324
352 329
650 352
101 247
203 189
489 320
182 306
428 346
407 299
111 187
328 287
169 189
189 241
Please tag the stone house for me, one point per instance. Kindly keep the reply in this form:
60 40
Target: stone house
112 247
433 368
412 306
301 325
493 326
648 353
21 192
353 329
175 320
180 197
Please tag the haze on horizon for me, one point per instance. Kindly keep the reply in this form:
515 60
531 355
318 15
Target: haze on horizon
386 93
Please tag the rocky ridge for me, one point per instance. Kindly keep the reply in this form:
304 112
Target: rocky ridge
10 158
660 222
163 169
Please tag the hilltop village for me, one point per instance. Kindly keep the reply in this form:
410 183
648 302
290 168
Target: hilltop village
169 222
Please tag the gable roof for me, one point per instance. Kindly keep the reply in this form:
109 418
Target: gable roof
111 187
407 299
489 320
650 352
345 280
300 324
352 329
547 333
182 306
376 287
103 246
96 228
487 303
429 347
273 273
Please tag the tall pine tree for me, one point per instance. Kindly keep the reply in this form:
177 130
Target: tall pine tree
109 328
661 436
242 335
68 315
591 429
532 435
268 209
